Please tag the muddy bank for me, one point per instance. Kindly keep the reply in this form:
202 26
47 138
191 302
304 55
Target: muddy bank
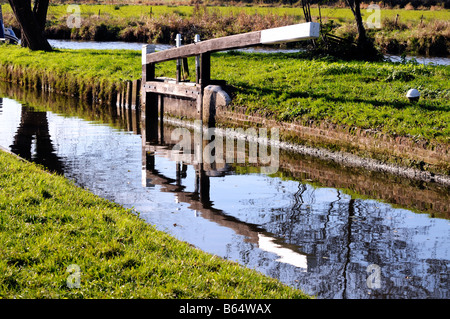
356 148
426 197
369 149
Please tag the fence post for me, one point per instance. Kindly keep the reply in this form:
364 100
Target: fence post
197 61
178 44
149 107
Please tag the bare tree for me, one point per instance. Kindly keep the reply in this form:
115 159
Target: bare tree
365 45
32 22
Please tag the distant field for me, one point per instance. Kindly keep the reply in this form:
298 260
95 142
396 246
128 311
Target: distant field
340 14
413 32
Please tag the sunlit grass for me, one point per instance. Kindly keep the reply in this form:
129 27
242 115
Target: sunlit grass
48 224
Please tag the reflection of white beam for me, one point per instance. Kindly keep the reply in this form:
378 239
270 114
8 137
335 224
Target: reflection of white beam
287 255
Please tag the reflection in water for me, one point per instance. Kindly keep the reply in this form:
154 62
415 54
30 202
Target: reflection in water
32 141
313 226
287 256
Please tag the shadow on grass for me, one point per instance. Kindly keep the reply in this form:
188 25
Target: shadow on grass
252 90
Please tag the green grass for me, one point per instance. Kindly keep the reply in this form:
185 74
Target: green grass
366 95
48 224
81 73
341 14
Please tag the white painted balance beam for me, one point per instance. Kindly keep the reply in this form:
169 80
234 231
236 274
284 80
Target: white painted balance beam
296 32
291 33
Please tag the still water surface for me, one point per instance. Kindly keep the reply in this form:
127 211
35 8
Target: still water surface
71 44
330 231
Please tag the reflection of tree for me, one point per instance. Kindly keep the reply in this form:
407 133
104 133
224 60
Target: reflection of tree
348 236
34 127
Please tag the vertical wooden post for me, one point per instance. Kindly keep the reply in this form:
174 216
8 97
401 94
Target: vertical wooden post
149 104
124 101
128 102
119 103
204 186
197 61
129 94
205 69
150 122
135 94
148 69
178 44
203 78
161 119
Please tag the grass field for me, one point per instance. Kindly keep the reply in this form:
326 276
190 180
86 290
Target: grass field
340 14
365 95
60 241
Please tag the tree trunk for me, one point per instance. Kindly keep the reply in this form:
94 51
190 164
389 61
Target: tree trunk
365 45
32 23
354 6
362 36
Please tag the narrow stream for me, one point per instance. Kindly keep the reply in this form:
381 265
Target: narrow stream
331 231
71 44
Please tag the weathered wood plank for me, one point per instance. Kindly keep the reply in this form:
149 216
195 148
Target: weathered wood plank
213 45
290 33
296 32
191 90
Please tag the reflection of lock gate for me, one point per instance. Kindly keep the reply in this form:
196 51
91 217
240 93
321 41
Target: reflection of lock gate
199 200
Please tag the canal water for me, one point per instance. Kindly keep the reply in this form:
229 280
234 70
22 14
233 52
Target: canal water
72 44
334 232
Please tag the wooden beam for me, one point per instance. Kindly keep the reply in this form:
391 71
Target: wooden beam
302 31
175 89
213 45
291 33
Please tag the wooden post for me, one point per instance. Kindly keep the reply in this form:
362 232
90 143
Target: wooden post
205 69
204 184
148 72
178 45
148 69
129 94
197 61
124 101
161 118
149 114
135 94
119 103
150 121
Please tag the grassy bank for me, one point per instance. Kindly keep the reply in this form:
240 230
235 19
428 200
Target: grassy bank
284 87
48 224
90 74
423 32
355 94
